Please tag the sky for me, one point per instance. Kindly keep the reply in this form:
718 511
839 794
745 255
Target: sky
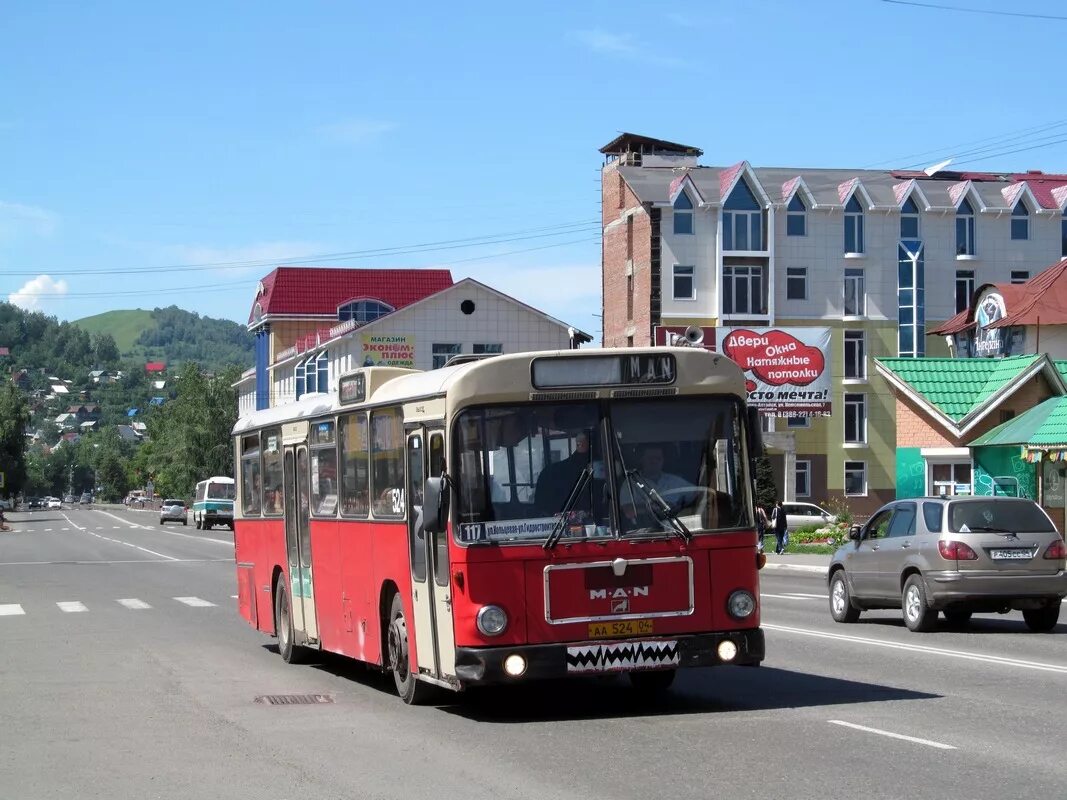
172 154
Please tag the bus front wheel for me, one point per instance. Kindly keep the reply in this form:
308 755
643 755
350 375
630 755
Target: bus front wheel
411 690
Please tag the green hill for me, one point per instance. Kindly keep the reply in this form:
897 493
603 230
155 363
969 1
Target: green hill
125 327
173 335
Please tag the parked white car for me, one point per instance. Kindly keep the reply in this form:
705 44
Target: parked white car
802 515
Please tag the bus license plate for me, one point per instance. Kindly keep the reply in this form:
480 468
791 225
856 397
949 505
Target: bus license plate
622 627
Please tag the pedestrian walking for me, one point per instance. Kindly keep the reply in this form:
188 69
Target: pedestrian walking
761 527
781 529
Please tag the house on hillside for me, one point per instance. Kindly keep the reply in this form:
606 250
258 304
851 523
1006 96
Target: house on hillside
155 367
128 433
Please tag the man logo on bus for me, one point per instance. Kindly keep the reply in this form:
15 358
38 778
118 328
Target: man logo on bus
620 597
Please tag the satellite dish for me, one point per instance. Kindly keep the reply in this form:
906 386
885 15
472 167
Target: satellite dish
936 168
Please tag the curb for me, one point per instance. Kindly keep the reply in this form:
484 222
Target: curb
797 567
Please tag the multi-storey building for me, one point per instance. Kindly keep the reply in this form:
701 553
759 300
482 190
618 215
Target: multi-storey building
873 255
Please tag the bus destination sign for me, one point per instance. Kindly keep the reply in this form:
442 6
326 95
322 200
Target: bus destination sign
352 388
621 370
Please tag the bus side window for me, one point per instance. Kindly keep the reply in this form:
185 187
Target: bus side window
387 460
250 475
440 544
355 459
270 445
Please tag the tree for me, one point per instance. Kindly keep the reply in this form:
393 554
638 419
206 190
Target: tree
14 417
105 350
766 490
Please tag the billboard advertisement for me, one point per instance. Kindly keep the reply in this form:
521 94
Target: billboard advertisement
387 350
787 370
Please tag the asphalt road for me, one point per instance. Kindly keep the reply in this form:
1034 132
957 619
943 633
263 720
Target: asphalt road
125 672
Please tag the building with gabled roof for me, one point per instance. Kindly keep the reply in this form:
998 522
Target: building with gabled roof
874 258
463 317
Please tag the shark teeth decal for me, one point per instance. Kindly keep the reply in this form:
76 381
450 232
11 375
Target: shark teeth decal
616 657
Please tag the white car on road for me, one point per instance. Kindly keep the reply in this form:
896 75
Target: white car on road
53 502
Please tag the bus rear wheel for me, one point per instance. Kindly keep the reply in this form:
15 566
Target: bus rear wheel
652 682
411 690
283 624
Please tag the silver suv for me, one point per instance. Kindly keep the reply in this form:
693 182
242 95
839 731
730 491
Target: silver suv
954 555
173 511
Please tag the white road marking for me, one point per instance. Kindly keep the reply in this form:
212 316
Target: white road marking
133 603
916 739
10 610
117 561
62 529
808 594
71 606
233 597
115 528
784 596
196 602
172 533
919 648
126 544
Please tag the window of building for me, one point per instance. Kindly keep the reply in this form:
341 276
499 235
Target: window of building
853 226
796 218
1020 275
796 283
1006 414
909 220
911 301
630 296
965 229
1020 221
363 310
798 422
443 352
803 479
964 289
1063 234
743 290
487 349
855 292
742 220
683 283
683 214
855 355
947 480
855 418
300 384
855 478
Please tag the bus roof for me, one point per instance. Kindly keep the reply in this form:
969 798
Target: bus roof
216 479
497 379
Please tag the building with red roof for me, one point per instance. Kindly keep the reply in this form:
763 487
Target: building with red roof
314 324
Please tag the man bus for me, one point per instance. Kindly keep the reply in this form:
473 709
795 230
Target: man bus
492 521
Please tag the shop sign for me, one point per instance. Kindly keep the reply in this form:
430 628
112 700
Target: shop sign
786 369
387 350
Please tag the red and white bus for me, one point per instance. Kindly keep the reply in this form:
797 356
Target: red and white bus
518 517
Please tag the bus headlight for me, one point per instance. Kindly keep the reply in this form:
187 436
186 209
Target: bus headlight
492 620
741 604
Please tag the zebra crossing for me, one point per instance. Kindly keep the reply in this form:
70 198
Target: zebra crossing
78 607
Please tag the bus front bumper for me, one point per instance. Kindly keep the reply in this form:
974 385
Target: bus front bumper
477 666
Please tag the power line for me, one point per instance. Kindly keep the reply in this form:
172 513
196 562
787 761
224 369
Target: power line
941 152
425 247
966 10
253 281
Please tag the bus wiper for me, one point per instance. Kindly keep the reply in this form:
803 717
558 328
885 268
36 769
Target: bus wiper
572 499
656 501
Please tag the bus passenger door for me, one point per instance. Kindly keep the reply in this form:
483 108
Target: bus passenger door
437 546
421 586
298 543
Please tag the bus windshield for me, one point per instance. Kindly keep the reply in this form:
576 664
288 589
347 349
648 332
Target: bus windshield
220 491
624 467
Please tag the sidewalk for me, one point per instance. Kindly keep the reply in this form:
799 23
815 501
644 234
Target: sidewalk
798 562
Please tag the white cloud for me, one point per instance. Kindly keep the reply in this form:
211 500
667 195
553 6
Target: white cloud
622 45
16 218
30 295
259 257
355 131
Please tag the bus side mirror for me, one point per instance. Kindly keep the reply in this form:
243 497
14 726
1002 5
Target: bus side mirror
755 434
435 505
